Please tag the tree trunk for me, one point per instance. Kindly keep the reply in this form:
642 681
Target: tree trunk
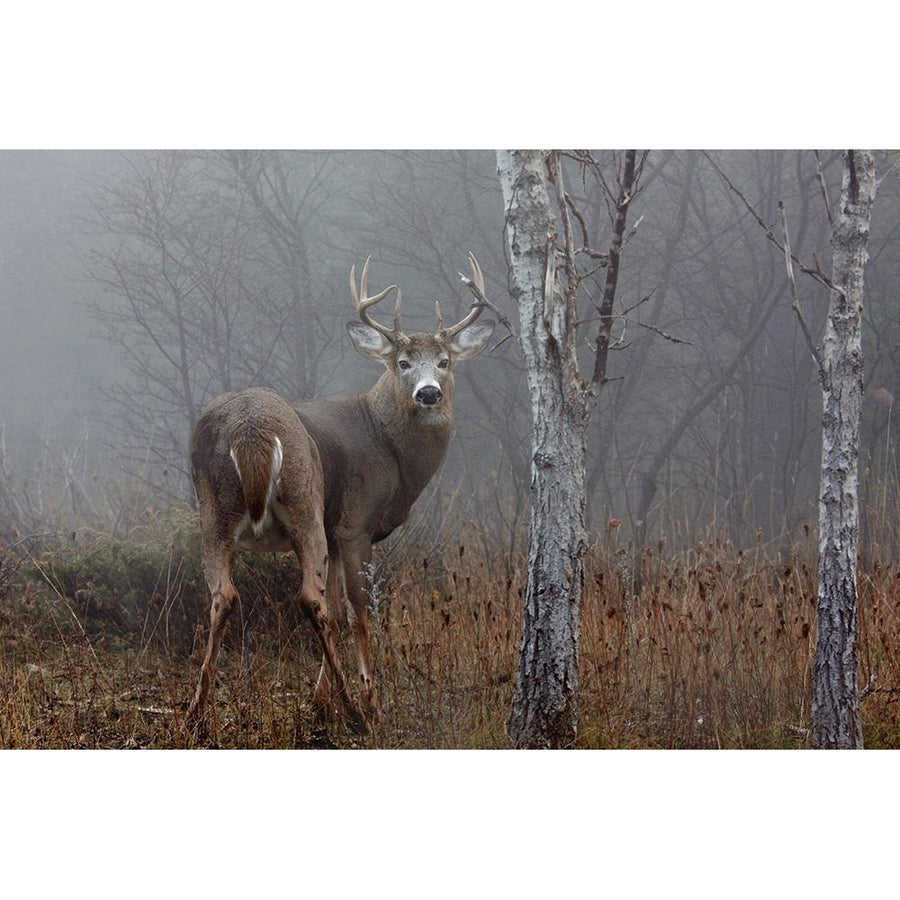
835 708
544 712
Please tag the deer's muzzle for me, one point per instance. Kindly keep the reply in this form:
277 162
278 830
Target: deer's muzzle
428 395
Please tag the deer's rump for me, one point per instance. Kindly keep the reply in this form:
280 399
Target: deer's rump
253 458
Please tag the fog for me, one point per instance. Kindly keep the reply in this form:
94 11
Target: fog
50 369
134 286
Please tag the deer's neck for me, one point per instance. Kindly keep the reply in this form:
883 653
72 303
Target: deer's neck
417 437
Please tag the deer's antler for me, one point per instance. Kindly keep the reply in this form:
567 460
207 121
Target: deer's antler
476 286
362 303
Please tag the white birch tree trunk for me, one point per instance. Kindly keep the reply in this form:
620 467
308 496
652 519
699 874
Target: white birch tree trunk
544 712
835 708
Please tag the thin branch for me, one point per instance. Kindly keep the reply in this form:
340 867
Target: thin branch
595 254
482 300
503 340
816 274
890 171
663 334
632 232
820 174
795 300
634 306
564 204
580 219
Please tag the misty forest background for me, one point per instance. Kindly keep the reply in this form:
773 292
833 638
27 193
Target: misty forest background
101 598
135 286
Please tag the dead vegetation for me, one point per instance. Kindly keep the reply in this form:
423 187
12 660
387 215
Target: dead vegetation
100 642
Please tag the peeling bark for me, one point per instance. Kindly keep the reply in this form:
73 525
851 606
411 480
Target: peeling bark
835 707
544 712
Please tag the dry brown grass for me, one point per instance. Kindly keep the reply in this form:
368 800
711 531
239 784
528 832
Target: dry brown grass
716 652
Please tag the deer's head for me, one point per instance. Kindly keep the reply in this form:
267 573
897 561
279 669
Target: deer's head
421 364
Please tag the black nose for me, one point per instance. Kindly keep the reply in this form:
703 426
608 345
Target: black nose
428 395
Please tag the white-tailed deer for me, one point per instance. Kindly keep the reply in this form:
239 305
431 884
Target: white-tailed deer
328 479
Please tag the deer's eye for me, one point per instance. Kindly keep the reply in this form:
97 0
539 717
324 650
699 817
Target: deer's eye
403 364
443 363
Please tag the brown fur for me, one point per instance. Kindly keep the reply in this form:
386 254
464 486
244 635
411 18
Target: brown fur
249 421
351 470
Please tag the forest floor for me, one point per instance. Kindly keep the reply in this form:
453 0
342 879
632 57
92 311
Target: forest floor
101 642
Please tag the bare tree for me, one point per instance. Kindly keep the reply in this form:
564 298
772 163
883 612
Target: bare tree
835 709
284 193
204 286
839 362
544 249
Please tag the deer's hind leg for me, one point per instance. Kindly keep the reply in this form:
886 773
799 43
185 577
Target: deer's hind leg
217 552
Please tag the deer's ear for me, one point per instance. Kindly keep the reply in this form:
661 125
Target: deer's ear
471 341
369 342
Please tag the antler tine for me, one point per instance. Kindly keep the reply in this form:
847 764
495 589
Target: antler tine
440 318
362 301
476 286
479 277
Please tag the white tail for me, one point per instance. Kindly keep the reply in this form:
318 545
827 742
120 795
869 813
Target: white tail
328 479
261 482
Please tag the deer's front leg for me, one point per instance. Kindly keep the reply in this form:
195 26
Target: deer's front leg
311 550
324 695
